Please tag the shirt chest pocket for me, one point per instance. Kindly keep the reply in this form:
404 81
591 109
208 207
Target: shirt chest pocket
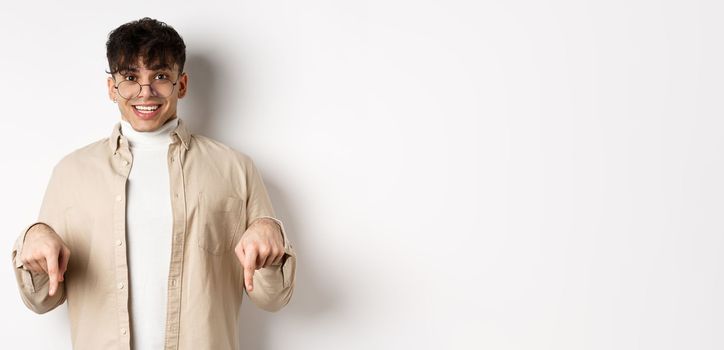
219 220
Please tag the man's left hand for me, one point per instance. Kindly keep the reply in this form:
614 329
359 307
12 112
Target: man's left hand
260 246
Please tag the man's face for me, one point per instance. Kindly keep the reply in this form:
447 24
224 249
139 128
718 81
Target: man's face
148 111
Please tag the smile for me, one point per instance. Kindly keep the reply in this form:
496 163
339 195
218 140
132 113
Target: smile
146 108
147 112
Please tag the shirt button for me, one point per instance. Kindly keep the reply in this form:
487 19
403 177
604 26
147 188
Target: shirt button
173 282
171 159
125 162
119 243
121 285
119 198
123 331
176 195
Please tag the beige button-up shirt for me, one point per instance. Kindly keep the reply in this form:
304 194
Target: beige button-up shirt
216 193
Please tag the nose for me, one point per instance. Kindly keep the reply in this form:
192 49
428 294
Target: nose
146 91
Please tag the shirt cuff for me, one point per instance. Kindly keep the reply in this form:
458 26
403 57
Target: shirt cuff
18 247
26 275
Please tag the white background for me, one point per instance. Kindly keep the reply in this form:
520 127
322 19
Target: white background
454 174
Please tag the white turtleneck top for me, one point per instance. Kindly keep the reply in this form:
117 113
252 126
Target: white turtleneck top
148 232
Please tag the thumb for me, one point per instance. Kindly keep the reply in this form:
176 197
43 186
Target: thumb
64 257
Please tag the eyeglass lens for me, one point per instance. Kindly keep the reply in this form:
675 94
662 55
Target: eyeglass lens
129 89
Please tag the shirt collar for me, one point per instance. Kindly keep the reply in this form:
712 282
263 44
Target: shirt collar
180 130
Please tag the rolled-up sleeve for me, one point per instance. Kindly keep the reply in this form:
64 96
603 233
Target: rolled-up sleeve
34 286
274 284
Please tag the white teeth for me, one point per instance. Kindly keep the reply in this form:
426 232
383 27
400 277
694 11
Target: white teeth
146 108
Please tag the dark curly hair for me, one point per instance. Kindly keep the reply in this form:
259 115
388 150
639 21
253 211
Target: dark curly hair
155 42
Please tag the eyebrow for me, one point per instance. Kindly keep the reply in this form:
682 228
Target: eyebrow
154 67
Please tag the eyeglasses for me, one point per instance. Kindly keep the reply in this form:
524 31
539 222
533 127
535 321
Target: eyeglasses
129 89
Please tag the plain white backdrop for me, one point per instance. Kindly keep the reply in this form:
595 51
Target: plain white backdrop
454 174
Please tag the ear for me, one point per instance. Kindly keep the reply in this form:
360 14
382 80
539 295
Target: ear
183 82
111 89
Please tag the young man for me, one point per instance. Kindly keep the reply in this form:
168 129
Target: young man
153 234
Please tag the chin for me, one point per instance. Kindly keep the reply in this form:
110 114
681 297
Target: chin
144 125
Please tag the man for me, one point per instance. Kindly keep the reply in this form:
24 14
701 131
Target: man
153 234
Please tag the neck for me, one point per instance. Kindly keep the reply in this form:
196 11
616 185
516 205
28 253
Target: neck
158 137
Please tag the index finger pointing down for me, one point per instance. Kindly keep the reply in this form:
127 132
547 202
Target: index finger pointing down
249 268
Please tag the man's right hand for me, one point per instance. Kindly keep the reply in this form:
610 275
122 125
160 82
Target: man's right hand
44 251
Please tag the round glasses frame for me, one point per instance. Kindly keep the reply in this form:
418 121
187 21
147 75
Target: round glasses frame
150 85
